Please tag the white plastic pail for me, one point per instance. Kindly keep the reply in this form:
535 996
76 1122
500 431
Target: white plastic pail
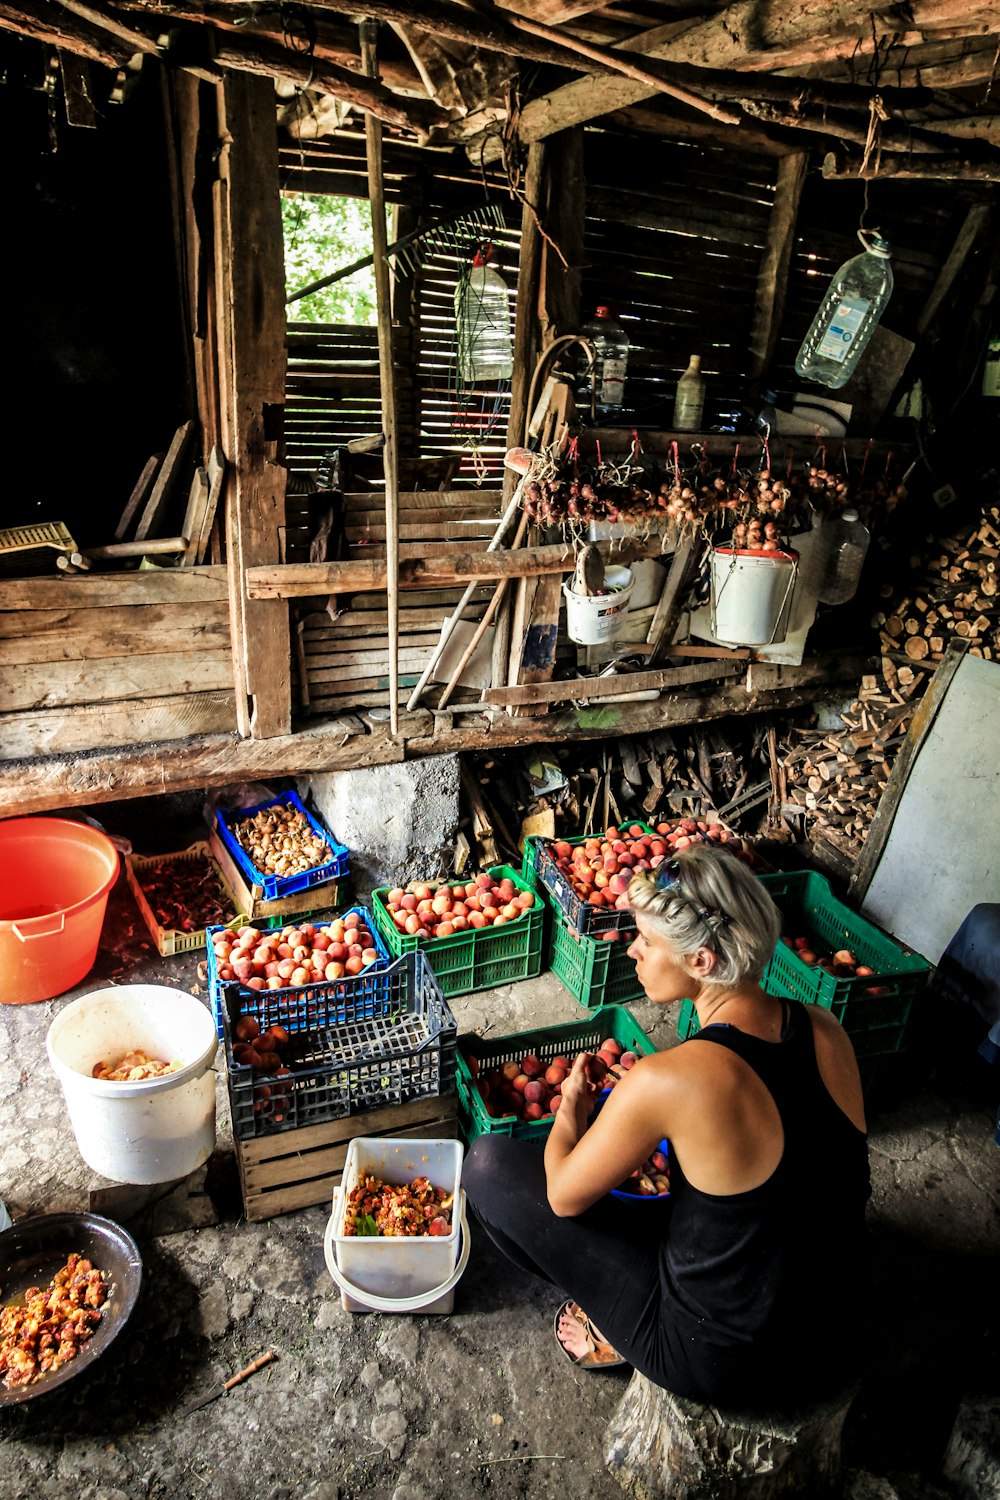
152 1131
407 1274
593 618
751 595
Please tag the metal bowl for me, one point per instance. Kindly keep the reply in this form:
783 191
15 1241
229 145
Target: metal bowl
33 1251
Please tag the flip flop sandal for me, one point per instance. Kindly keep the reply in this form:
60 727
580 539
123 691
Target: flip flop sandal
599 1355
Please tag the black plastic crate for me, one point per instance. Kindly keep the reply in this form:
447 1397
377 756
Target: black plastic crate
354 1045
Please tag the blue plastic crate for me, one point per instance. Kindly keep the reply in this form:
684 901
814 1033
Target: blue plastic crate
355 1045
215 984
273 887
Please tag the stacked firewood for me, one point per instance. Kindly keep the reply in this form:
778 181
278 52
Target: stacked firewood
834 779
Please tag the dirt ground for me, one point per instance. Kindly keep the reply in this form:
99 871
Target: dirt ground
479 1403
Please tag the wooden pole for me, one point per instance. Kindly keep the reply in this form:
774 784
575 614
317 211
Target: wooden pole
772 282
380 245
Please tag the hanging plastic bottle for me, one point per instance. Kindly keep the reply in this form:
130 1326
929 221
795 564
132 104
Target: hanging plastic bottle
845 555
848 315
482 319
611 346
689 402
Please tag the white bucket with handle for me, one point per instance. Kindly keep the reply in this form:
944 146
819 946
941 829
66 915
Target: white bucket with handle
592 619
752 595
407 1274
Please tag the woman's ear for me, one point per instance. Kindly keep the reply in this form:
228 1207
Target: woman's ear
703 963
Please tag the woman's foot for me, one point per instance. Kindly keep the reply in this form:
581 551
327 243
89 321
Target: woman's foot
581 1342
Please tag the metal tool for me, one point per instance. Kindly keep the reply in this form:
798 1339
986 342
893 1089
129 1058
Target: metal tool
227 1385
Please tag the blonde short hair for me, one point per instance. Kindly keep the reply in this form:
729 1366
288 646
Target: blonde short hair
711 901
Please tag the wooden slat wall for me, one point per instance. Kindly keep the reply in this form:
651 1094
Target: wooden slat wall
343 662
114 660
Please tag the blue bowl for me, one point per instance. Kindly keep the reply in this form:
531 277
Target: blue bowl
664 1146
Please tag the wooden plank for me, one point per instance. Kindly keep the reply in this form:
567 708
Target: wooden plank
216 483
767 676
772 285
303 580
490 501
275 1158
592 689
668 608
254 290
975 222
159 496
924 715
134 721
138 496
194 586
160 546
113 677
90 634
196 762
194 517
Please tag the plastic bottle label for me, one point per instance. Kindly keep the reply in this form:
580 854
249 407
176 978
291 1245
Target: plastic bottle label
612 387
844 325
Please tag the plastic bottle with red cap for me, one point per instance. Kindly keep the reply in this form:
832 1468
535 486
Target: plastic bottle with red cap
602 388
482 319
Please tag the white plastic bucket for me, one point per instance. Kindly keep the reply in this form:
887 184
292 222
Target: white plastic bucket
751 595
402 1275
594 618
157 1130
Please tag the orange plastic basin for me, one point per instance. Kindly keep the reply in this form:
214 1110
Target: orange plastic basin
55 876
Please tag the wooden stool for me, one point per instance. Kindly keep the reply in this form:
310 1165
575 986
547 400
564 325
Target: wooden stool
663 1447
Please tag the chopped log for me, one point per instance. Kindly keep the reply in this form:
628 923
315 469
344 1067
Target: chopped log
916 647
658 1445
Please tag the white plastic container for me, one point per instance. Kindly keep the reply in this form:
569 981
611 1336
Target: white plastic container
751 595
157 1130
594 618
414 1274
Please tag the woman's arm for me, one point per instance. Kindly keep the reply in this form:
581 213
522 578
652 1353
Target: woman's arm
583 1163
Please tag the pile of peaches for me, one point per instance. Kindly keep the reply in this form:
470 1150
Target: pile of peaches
598 869
427 911
531 1089
307 954
842 965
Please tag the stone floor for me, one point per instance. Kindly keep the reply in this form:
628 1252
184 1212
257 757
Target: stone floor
480 1402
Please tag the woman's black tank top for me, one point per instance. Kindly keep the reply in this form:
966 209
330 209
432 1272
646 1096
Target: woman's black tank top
773 1270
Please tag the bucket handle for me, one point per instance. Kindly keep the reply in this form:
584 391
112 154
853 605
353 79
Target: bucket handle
729 573
39 931
391 1304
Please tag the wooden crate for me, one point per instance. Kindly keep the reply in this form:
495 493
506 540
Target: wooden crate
251 897
169 941
300 1168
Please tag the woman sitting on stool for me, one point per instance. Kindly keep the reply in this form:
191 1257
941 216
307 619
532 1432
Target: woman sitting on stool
740 1287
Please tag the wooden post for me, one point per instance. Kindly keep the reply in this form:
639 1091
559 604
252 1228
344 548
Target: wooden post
772 281
252 365
376 195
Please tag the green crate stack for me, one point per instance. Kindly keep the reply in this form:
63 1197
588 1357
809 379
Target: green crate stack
480 958
547 1043
595 971
876 1010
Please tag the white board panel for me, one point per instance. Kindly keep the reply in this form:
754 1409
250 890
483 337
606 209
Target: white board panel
942 855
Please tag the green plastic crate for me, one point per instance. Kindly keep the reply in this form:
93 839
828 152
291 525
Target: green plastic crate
549 1042
481 958
877 1023
596 972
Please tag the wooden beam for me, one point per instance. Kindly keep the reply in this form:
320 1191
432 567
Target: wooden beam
383 302
108 776
592 689
772 281
417 571
837 167
668 609
252 295
744 39
976 219
51 24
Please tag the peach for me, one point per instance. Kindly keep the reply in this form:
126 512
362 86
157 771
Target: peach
534 1112
554 1074
532 1066
521 1082
510 1070
628 1059
535 1091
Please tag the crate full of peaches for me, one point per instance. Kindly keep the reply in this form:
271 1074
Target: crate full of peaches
477 933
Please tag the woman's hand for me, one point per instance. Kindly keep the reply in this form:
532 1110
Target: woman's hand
578 1091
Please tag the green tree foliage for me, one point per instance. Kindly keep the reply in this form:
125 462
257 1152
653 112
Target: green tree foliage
321 235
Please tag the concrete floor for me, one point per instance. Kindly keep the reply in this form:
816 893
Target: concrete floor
478 1403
